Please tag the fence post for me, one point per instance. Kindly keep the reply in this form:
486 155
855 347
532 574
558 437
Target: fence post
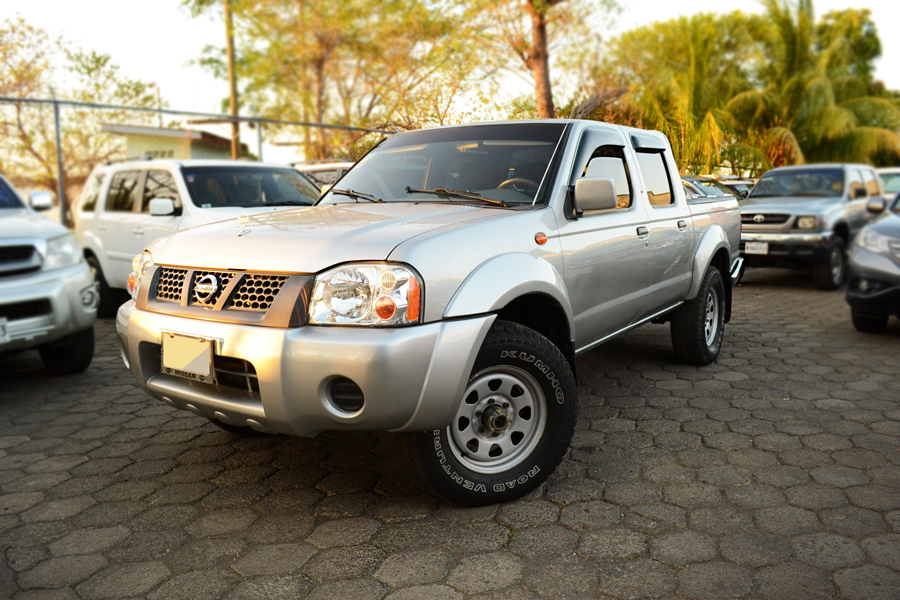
61 186
259 139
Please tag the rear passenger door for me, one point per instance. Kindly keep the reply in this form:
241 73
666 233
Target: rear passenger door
116 224
158 183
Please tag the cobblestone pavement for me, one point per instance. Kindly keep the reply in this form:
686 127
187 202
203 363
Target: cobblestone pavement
772 474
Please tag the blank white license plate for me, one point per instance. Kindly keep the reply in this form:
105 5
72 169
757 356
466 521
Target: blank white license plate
187 356
756 248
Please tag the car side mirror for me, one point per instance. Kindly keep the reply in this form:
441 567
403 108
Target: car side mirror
595 194
40 200
876 206
745 193
160 207
858 193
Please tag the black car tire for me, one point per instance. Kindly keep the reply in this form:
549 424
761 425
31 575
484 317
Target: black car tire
698 325
72 354
109 298
829 274
523 402
868 323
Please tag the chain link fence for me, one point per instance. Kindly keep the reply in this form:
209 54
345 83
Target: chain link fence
52 145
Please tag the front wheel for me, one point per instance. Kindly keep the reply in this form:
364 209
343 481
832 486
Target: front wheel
109 298
70 355
829 274
698 325
513 424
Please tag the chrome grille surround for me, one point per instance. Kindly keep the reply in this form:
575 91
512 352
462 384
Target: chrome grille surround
170 284
768 219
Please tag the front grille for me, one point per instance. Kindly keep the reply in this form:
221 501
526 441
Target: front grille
222 277
236 373
895 249
14 254
171 282
769 219
256 292
25 310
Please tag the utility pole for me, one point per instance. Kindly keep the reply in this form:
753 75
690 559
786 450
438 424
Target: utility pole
235 125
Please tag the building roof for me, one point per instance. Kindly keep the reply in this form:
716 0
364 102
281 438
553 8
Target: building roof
169 132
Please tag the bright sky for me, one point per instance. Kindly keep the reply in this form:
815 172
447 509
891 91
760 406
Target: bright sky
154 41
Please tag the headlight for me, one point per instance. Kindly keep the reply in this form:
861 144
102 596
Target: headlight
806 223
874 242
63 251
367 294
139 265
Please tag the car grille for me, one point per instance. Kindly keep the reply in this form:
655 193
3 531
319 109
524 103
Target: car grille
170 284
222 277
25 310
770 219
14 254
18 259
253 292
256 292
236 373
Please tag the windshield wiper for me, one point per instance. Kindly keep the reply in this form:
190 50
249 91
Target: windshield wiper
356 195
456 194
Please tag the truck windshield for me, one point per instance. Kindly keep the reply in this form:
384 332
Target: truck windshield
8 198
502 163
247 187
821 183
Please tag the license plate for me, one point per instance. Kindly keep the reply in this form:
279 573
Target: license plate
4 330
187 356
756 248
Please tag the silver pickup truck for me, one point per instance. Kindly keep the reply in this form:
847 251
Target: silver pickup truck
443 287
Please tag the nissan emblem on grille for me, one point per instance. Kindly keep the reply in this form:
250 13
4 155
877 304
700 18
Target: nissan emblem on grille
206 287
759 218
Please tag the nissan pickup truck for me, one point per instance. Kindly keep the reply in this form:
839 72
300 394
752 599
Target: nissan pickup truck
806 217
443 287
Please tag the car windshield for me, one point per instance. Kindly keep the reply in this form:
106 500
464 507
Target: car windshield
891 182
247 187
821 183
325 176
8 198
505 164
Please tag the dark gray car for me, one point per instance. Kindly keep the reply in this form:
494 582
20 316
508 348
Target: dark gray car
874 287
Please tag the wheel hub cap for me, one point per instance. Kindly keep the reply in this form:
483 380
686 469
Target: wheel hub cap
711 323
495 419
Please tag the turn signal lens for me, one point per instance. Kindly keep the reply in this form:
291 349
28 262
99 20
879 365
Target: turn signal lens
132 284
540 238
412 309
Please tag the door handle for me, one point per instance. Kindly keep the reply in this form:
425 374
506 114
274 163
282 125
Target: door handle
682 225
643 231
137 231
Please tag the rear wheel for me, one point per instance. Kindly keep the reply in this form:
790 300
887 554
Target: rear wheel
829 274
69 355
868 323
109 298
698 326
513 424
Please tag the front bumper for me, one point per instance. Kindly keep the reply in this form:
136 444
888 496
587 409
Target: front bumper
46 306
881 274
412 378
811 247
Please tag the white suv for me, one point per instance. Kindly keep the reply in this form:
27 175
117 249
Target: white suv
47 296
125 206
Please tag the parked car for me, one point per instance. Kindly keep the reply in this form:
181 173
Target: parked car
806 216
127 205
444 288
47 295
324 172
739 187
707 187
873 289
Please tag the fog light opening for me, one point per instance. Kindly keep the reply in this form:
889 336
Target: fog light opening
345 395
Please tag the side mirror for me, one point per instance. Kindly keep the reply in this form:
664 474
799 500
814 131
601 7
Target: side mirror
745 193
858 193
876 206
40 200
595 194
160 207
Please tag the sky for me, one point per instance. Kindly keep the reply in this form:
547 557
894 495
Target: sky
155 41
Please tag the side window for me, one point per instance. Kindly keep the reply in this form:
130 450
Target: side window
656 176
159 184
123 191
871 183
90 193
856 182
609 161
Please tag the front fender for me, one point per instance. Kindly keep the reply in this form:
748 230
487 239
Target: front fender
712 241
500 280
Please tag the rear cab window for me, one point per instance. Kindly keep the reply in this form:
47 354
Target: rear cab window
656 178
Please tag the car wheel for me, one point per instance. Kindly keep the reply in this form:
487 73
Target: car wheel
869 323
513 424
72 354
109 299
698 325
829 275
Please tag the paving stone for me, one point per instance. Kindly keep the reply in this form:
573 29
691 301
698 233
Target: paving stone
344 563
786 521
868 582
755 549
839 476
827 551
16 503
426 592
794 581
414 568
633 492
190 586
88 541
585 516
343 532
815 496
615 543
720 520
354 589
722 475
883 550
538 541
528 514
577 576
875 497
271 587
853 522
57 510
62 571
640 578
474 538
484 572
755 495
222 522
715 580
196 555
782 476
275 559
684 547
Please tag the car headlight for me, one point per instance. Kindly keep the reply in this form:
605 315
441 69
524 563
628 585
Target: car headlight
139 266
874 242
806 223
367 294
63 251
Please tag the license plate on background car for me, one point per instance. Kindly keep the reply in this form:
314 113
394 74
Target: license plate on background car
187 356
756 248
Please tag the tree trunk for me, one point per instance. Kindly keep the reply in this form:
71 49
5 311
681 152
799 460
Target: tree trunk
540 62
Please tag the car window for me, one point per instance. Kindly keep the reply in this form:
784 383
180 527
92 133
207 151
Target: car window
159 184
856 182
609 161
91 193
8 198
214 187
659 188
814 182
871 183
891 182
123 191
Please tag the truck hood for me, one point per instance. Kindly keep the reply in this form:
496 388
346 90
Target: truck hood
786 204
307 240
24 223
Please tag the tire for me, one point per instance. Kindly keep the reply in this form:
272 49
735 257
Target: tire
868 323
829 274
513 424
109 298
69 355
698 326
